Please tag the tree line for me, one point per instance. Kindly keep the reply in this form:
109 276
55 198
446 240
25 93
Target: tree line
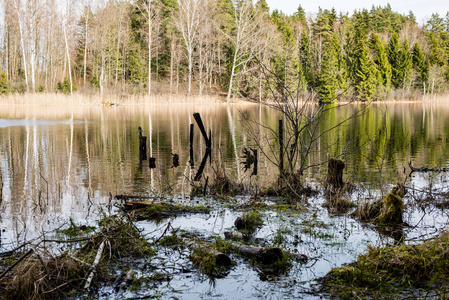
231 47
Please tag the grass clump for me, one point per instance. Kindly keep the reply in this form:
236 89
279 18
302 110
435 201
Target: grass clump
382 271
249 221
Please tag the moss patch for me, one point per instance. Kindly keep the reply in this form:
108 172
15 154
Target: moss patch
382 271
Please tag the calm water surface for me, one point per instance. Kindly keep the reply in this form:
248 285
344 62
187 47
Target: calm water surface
61 163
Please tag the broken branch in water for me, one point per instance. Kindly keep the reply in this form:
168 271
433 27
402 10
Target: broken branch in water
424 169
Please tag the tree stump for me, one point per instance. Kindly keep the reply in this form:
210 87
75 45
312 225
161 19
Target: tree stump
334 177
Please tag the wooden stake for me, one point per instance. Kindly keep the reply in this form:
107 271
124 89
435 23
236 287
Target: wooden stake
191 161
281 147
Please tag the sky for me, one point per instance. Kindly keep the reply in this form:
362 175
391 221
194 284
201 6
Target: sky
422 9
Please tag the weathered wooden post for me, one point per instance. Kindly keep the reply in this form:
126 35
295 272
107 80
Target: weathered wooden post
142 144
191 161
255 161
175 160
152 162
281 147
208 141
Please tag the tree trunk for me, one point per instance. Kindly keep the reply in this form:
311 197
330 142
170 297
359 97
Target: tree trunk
85 50
68 57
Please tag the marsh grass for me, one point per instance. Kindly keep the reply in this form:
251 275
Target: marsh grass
381 272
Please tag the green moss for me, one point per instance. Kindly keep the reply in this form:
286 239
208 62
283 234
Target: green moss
381 271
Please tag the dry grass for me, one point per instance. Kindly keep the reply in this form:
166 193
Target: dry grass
109 99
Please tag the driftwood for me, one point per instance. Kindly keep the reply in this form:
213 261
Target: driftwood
125 197
132 205
424 169
93 269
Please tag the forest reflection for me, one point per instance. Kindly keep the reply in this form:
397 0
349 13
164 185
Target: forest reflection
62 162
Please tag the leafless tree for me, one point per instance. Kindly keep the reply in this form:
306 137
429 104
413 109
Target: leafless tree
187 20
248 38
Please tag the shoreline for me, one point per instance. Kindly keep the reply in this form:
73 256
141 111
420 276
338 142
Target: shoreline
55 99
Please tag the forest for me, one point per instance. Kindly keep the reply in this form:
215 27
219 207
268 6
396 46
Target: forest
219 47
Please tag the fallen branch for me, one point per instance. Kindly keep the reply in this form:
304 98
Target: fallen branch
94 265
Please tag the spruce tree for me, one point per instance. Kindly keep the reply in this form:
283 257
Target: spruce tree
364 75
327 77
420 64
381 60
400 61
436 56
305 59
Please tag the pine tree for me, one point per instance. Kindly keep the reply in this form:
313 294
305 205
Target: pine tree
420 64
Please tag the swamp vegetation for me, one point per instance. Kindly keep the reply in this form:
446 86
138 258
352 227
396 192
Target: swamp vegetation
84 215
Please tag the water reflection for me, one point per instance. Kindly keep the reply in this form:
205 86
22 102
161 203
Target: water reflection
61 162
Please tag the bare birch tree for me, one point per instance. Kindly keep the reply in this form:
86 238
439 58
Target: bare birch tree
22 42
248 39
187 21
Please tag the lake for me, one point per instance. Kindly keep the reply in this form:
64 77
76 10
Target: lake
62 163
